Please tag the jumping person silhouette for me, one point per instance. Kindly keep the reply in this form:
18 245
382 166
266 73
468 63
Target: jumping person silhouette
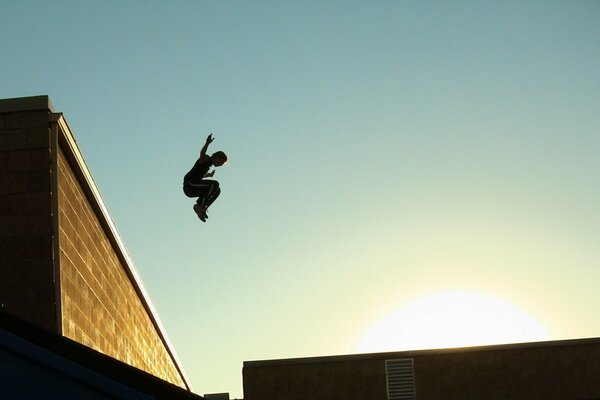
194 184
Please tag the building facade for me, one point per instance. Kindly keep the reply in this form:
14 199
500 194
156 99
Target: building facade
567 369
63 265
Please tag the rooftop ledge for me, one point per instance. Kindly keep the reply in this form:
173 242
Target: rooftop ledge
26 104
425 352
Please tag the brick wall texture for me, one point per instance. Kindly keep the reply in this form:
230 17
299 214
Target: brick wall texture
99 304
552 371
101 308
25 218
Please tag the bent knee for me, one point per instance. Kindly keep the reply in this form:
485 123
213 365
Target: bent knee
187 191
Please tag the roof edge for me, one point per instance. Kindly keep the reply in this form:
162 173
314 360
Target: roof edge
32 103
98 204
425 352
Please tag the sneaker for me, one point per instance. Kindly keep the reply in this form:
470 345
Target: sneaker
201 212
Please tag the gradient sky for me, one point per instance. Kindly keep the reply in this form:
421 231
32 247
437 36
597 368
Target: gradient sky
379 151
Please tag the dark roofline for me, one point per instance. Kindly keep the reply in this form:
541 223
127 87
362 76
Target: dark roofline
32 103
94 360
417 353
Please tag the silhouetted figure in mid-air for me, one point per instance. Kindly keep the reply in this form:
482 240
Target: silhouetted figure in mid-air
194 184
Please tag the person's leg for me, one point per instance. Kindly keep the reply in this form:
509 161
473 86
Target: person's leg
201 190
213 194
192 190
207 191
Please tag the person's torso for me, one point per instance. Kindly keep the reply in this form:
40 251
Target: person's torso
199 169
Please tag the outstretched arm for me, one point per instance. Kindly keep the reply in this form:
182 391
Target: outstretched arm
209 140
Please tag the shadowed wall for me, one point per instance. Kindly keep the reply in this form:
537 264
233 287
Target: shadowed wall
547 370
25 216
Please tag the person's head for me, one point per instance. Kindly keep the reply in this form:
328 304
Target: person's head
219 158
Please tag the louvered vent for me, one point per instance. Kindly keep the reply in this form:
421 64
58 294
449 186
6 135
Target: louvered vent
400 377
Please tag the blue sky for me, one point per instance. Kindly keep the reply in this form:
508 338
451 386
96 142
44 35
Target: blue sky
379 151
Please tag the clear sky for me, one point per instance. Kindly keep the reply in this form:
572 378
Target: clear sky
380 151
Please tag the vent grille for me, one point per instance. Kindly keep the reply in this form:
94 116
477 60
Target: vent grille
400 376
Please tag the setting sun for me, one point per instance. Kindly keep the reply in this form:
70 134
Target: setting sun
452 319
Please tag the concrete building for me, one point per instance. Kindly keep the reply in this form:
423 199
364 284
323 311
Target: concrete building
63 265
562 370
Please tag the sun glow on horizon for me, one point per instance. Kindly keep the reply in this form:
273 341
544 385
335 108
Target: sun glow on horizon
452 319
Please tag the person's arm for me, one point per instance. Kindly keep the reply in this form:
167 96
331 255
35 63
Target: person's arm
209 140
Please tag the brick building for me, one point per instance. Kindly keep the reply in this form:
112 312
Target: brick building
568 369
63 265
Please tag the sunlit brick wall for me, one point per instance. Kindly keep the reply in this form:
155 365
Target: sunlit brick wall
26 268
101 308
66 271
